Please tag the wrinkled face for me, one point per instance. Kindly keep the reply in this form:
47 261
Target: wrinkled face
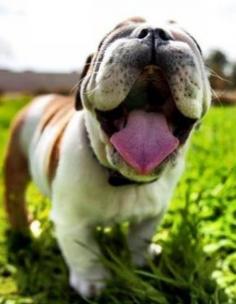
143 92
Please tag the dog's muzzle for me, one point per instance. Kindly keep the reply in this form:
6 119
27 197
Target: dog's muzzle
147 89
147 127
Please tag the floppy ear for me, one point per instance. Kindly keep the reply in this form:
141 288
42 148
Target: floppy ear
78 102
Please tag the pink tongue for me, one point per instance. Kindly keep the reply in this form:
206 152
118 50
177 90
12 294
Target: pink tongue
145 141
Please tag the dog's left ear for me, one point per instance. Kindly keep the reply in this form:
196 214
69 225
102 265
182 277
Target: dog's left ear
78 102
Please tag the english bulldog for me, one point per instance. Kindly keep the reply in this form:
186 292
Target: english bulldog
119 156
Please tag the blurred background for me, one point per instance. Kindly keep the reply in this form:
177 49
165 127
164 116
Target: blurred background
43 44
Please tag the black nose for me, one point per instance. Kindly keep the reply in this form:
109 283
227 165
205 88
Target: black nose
156 33
144 33
162 34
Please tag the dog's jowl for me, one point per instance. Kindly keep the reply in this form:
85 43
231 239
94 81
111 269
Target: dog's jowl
120 155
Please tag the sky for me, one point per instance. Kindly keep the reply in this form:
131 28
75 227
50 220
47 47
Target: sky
57 35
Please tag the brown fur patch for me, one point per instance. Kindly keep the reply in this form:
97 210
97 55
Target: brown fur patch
56 115
16 177
52 112
55 150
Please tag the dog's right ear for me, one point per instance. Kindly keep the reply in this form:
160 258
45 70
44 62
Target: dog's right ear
78 102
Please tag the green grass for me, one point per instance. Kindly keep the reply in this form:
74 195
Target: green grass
198 263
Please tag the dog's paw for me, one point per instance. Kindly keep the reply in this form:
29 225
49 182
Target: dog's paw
87 287
140 259
154 250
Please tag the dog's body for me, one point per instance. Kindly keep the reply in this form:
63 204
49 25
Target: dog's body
70 154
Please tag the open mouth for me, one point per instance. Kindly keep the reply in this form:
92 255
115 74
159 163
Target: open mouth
146 128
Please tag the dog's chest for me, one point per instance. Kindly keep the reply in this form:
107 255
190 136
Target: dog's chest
81 188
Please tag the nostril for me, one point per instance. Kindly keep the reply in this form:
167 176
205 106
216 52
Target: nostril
163 35
143 33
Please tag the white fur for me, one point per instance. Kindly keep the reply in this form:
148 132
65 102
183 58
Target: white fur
32 119
82 199
191 107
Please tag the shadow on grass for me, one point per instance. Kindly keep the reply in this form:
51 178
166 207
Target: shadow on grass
182 274
41 274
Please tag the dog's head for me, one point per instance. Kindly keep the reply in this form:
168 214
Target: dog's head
143 91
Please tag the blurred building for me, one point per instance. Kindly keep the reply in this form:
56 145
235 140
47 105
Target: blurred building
37 83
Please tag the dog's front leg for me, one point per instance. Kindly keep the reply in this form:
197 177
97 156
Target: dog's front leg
140 237
87 274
